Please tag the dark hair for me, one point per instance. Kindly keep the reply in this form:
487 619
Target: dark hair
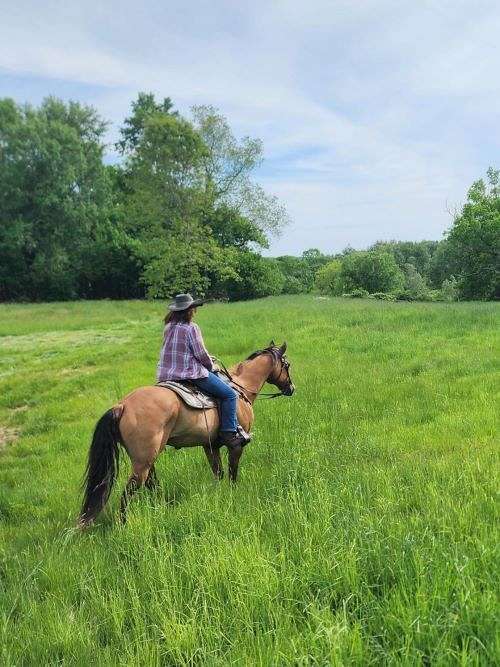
179 316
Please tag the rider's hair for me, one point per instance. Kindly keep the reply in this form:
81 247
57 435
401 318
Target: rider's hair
179 316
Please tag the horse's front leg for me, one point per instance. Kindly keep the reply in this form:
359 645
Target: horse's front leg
234 459
213 456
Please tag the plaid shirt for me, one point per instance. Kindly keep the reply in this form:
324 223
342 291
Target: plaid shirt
183 354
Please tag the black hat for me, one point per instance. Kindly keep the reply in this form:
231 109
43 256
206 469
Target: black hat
183 302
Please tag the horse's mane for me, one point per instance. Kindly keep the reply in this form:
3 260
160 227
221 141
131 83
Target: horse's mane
272 350
267 350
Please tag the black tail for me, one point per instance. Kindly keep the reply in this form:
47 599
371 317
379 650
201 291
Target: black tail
102 465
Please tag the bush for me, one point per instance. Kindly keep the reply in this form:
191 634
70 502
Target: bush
415 284
257 277
299 276
371 270
328 278
356 294
383 296
449 289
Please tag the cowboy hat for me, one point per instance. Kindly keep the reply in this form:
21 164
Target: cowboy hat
183 302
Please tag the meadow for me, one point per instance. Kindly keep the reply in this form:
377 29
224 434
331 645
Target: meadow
363 529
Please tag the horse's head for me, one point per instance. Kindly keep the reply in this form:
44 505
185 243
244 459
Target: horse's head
280 373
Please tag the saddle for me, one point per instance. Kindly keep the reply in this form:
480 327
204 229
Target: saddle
190 394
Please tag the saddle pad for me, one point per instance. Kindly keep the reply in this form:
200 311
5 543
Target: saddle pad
190 395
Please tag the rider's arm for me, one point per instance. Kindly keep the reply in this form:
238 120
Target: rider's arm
198 347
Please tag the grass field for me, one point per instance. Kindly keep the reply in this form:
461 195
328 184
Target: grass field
363 527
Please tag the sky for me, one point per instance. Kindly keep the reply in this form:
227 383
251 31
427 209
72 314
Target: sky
376 116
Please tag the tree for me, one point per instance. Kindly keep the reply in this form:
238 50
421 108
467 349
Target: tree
54 193
133 127
328 279
474 240
372 270
415 286
299 276
417 253
230 229
187 259
315 259
256 277
227 167
442 264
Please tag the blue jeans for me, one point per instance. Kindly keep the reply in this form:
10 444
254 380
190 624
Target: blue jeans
214 386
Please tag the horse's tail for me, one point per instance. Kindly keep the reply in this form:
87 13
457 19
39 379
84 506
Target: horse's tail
102 465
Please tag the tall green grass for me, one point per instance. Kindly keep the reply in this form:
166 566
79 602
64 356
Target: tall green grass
363 528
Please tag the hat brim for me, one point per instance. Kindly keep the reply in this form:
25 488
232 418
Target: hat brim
193 304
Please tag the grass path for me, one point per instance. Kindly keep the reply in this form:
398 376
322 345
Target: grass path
363 529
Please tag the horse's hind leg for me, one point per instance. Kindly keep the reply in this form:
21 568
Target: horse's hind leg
213 456
140 472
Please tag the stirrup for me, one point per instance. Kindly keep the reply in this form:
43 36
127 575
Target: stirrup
246 436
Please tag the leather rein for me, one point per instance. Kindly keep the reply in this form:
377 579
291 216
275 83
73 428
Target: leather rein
242 390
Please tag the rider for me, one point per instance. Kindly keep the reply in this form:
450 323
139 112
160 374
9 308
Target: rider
184 356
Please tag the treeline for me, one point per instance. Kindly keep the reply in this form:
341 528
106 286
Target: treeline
180 211
464 265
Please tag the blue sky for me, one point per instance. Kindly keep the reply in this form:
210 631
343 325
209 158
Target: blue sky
375 116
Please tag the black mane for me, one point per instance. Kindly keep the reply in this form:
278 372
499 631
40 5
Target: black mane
267 350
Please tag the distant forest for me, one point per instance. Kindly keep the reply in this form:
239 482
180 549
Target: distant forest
181 212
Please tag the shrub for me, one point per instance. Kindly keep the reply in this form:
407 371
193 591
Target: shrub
371 270
299 277
359 293
257 277
415 284
328 278
449 289
383 296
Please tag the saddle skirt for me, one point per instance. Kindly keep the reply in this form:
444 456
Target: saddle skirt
190 394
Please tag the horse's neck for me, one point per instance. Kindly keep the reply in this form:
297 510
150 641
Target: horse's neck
251 375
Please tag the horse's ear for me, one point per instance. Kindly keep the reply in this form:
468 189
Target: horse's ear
272 343
282 349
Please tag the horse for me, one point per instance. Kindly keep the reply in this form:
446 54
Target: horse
148 419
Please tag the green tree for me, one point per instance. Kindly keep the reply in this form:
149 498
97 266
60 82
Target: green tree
232 230
415 285
299 277
450 290
442 264
417 253
328 278
54 192
134 125
315 259
256 277
227 168
187 259
474 240
372 270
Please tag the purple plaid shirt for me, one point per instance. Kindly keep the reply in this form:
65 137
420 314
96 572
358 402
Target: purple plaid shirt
183 354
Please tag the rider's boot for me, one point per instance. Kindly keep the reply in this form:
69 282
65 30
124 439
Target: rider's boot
234 438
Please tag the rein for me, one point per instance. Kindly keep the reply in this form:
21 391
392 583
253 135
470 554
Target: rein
259 395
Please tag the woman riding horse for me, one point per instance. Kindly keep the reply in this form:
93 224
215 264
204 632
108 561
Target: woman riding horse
149 418
184 356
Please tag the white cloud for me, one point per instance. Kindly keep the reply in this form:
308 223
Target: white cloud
361 106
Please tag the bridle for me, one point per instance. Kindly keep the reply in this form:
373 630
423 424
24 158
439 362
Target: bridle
285 365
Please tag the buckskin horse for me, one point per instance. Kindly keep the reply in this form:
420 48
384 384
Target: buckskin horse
149 418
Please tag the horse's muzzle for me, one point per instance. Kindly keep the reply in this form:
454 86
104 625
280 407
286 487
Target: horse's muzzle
289 390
